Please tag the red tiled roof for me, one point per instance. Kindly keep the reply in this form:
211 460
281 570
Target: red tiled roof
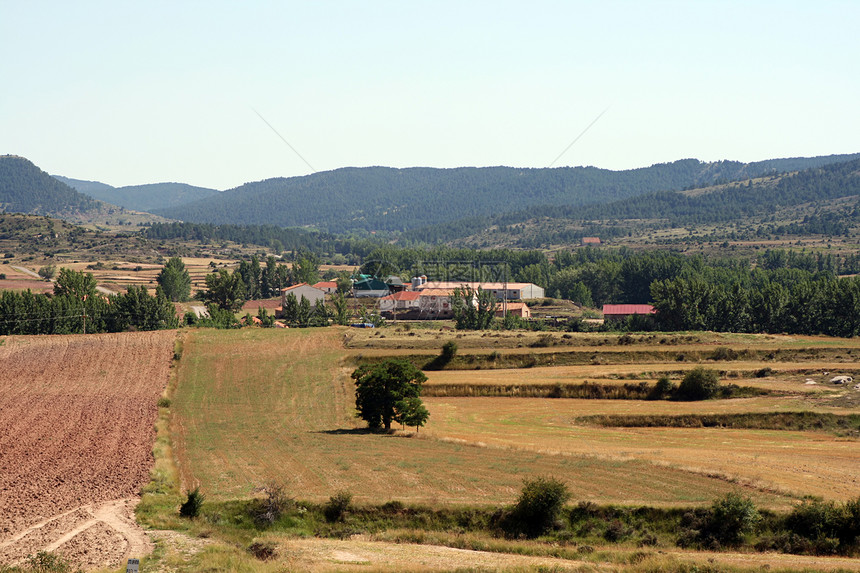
403 295
628 309
294 286
325 284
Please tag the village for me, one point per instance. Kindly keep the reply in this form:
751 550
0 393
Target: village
432 300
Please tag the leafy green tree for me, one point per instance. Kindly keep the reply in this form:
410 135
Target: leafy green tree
225 289
290 312
341 309
306 269
303 313
47 272
76 284
411 412
252 275
473 310
319 314
175 280
273 278
137 309
344 284
379 388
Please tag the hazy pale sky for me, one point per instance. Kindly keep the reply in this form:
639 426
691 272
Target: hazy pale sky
143 92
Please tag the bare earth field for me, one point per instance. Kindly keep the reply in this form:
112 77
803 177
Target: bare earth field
77 418
19 281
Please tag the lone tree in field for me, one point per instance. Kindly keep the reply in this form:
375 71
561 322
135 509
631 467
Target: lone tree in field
174 280
380 387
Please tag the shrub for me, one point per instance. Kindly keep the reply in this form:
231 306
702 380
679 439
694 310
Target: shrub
662 388
164 402
449 350
825 522
268 509
191 507
698 384
538 506
723 353
46 562
263 550
732 518
337 506
543 341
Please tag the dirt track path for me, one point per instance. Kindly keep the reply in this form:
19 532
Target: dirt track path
92 535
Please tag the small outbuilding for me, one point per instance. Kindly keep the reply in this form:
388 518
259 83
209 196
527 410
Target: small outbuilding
622 311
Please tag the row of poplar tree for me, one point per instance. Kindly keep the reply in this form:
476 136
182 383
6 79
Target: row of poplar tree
75 307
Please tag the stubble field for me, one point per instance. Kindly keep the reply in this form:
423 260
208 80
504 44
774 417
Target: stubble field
257 405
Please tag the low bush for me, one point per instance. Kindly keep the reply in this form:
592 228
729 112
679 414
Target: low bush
337 506
263 550
538 507
698 384
662 389
275 501
192 505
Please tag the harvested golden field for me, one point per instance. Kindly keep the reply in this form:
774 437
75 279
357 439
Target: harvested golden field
796 463
786 377
257 404
117 275
430 336
77 417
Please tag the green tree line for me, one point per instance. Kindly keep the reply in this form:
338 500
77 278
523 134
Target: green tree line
76 307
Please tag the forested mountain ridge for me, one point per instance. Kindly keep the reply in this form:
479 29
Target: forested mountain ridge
388 199
141 197
807 191
24 188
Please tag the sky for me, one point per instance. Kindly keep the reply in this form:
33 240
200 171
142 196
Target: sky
217 94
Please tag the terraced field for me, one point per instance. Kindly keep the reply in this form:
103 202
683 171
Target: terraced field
255 405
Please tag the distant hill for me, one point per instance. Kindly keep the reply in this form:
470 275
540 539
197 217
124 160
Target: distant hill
809 195
24 188
141 197
387 199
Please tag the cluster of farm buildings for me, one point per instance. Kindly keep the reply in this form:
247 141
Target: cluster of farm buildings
428 300
422 299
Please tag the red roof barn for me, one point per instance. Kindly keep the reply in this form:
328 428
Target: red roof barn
622 311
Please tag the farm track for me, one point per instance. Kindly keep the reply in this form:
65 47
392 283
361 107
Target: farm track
77 418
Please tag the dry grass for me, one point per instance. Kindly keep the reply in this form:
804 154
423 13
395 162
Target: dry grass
258 404
796 462
785 377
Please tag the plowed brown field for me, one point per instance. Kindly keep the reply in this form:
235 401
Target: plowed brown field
77 417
